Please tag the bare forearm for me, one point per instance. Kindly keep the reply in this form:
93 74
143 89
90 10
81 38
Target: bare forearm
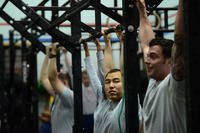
53 77
52 69
98 46
178 49
122 58
146 33
68 64
85 46
108 58
44 76
145 36
179 25
44 70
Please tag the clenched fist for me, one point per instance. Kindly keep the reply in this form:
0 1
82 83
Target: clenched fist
52 50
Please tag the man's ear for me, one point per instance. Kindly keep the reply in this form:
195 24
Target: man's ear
65 82
169 61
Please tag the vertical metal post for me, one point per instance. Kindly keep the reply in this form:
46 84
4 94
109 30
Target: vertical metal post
54 17
3 113
32 98
192 65
98 19
77 87
12 57
77 74
115 5
24 60
131 66
1 64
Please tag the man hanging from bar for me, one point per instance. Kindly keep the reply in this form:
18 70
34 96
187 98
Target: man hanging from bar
109 115
59 86
164 109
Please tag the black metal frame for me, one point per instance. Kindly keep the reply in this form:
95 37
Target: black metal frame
72 44
77 72
166 22
131 81
21 29
2 65
3 92
1 59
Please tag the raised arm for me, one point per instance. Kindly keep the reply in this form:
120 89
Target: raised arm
108 58
97 43
94 79
100 60
146 33
85 47
121 41
52 72
178 49
44 75
68 64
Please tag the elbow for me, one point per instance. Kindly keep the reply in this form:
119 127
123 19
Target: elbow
43 81
52 78
52 82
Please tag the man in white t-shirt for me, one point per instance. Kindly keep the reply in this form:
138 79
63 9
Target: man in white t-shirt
109 116
164 107
58 85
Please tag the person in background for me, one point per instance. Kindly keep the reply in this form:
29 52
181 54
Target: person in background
88 97
89 103
59 86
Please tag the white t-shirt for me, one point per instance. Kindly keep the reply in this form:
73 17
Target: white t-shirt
164 109
89 100
62 113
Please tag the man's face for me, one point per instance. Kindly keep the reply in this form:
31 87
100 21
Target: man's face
85 79
113 86
157 65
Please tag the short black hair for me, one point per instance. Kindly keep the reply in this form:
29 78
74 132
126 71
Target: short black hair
84 72
112 71
165 44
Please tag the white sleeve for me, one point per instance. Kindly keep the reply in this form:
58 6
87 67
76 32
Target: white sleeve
178 87
67 97
95 82
100 64
140 114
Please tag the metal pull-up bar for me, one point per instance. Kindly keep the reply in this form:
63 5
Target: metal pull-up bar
99 34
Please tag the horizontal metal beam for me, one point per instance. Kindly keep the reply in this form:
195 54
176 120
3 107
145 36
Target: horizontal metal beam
65 40
100 7
58 8
20 28
70 12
